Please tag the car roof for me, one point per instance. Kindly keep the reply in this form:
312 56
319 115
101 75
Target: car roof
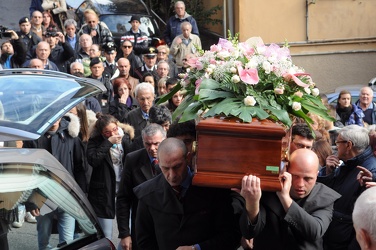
120 6
32 100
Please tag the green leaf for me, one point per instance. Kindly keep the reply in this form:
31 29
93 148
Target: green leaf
246 113
166 97
209 84
183 105
208 94
260 113
281 115
190 112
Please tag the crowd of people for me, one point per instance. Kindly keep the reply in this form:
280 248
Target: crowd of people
136 164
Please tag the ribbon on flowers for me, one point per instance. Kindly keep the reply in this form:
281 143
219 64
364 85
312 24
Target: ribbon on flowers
294 77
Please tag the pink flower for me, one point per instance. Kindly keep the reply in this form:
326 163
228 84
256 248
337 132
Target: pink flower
212 61
198 82
299 94
278 91
288 77
225 44
215 48
249 76
247 50
199 65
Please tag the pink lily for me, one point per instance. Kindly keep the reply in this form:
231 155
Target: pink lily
294 77
249 76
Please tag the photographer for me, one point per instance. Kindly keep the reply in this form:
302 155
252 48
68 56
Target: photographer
13 51
61 51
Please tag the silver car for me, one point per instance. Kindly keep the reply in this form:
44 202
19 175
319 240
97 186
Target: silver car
30 102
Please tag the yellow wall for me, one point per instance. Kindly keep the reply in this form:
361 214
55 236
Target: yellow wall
334 40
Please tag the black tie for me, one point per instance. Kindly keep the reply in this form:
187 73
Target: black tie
178 191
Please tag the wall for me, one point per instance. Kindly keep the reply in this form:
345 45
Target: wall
334 40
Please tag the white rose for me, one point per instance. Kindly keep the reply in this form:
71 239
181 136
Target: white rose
315 92
267 67
212 66
307 90
235 79
296 106
209 70
249 101
233 70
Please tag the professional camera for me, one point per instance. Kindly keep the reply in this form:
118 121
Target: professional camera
4 33
51 34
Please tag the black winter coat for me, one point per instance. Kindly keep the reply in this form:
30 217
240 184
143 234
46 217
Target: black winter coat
102 187
66 149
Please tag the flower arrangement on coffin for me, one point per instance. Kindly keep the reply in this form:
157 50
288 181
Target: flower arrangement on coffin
247 80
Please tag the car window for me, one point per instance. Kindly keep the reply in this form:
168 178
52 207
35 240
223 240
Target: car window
20 183
33 102
120 24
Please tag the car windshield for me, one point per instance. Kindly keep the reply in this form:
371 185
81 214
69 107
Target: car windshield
120 24
31 103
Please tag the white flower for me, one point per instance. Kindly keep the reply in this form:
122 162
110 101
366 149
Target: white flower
296 106
267 67
233 70
249 101
209 70
307 90
235 79
212 66
315 92
252 64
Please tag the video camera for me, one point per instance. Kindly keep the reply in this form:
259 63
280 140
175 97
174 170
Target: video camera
4 33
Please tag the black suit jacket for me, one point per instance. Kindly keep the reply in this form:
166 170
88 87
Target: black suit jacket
136 120
137 169
203 216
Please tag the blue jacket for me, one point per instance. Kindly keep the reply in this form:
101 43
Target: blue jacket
173 27
35 5
373 115
343 180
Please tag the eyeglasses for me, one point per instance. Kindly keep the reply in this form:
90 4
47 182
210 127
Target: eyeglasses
109 133
161 52
127 47
299 145
336 142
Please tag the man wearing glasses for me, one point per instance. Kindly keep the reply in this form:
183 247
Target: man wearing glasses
302 137
354 150
128 53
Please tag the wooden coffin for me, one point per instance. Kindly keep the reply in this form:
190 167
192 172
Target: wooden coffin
228 149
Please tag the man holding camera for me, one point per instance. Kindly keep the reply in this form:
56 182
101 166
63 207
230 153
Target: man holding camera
61 52
13 52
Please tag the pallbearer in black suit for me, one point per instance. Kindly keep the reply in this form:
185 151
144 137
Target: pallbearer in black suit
173 214
139 167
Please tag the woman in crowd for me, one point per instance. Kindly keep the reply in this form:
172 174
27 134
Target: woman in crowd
323 149
123 100
347 113
105 153
148 77
48 21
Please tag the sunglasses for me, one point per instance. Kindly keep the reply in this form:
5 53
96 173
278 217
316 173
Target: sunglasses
127 47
